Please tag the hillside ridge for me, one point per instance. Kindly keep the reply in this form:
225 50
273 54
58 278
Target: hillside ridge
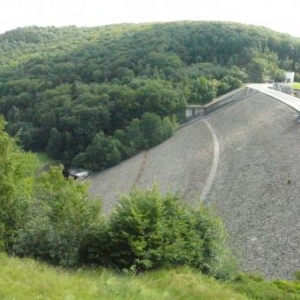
73 92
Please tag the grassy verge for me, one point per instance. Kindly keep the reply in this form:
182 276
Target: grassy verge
45 160
296 85
27 279
256 287
24 279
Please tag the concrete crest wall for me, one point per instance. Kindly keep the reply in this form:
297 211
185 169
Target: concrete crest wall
198 111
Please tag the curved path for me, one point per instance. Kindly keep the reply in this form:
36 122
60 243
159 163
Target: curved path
244 160
181 164
285 98
214 166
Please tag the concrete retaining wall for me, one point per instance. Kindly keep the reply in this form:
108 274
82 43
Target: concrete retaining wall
218 103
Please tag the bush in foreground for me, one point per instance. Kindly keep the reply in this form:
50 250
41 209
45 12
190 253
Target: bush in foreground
150 231
147 230
58 221
256 287
51 218
16 180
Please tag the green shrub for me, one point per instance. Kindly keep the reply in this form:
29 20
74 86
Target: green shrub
255 287
59 221
297 275
227 84
168 126
152 130
288 286
149 231
16 179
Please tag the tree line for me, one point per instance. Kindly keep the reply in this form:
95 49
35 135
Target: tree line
77 91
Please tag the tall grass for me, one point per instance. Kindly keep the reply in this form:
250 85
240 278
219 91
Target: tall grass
26 279
45 160
256 287
296 85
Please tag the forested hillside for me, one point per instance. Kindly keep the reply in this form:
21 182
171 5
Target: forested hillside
95 96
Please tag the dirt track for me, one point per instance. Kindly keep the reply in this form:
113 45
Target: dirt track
256 185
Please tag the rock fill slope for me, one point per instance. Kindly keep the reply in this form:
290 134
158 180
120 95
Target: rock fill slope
255 186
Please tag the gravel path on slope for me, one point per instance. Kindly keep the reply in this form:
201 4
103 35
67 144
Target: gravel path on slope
181 164
110 183
256 187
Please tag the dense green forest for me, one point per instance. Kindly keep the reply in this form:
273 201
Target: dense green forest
95 96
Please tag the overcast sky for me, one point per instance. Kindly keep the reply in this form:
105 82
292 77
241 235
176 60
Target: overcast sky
283 16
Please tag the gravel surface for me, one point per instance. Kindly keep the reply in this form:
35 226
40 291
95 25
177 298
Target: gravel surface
181 164
256 185
256 188
111 183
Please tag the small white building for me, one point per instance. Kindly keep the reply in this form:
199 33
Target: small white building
289 77
193 110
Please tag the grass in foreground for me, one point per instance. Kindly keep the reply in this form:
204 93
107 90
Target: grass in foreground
27 279
24 279
256 287
296 85
45 160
